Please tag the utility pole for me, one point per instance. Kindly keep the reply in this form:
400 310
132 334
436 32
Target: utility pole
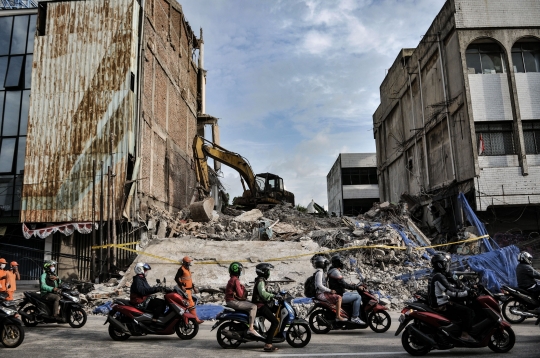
93 263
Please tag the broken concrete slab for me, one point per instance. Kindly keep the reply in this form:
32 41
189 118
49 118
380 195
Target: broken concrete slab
249 216
202 211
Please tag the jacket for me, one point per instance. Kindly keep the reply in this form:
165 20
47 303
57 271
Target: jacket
337 283
183 278
47 285
526 276
260 295
234 289
440 290
140 289
320 282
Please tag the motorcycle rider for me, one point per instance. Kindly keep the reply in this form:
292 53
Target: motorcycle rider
261 297
49 286
236 296
12 276
440 292
324 293
527 275
3 275
337 283
184 281
140 290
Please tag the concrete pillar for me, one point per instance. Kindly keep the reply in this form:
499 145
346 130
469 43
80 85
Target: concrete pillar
67 265
48 248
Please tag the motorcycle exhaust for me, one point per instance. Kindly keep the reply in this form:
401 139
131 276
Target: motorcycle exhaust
233 335
118 324
421 336
523 314
322 321
26 315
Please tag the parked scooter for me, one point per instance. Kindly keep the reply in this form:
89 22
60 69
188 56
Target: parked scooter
322 316
233 326
11 329
425 329
126 320
34 309
520 305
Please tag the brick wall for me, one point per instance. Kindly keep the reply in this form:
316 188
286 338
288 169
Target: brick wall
490 97
169 107
528 89
497 13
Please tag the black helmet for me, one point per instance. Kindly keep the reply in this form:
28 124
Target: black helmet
235 269
440 263
320 262
337 261
525 258
263 270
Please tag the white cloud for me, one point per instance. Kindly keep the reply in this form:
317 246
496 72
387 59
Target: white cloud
316 42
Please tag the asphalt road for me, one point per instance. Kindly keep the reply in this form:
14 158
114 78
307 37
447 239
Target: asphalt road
93 341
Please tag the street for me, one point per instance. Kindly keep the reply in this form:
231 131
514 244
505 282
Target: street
93 341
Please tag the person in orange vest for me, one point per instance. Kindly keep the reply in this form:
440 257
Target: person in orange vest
183 280
3 275
12 276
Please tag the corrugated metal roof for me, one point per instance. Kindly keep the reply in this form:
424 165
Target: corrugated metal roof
80 98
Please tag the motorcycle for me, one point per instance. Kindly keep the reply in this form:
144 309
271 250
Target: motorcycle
34 309
322 316
233 330
520 305
425 329
11 329
126 320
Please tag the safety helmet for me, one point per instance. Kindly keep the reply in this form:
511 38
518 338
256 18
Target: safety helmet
525 258
337 261
440 263
141 268
320 262
3 261
235 269
13 263
47 265
263 269
186 260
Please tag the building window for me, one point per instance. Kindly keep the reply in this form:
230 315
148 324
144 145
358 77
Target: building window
526 56
531 135
359 176
485 58
354 207
16 48
495 138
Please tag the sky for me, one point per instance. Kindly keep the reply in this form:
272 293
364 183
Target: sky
296 82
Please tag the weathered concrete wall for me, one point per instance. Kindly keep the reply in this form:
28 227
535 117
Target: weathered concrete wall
169 107
490 97
496 13
333 188
250 253
528 90
358 160
367 191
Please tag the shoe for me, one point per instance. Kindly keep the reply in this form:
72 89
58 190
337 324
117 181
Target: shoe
357 320
199 321
270 349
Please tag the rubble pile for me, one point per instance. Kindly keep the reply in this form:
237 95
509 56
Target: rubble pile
284 232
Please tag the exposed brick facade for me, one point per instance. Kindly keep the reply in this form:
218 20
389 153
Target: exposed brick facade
169 107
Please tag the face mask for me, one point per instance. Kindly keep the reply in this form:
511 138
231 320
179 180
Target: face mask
53 269
2 266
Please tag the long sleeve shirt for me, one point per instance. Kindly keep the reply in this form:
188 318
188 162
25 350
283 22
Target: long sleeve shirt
47 285
320 281
526 276
140 289
234 289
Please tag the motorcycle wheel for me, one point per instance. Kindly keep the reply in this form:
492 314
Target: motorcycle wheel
509 316
77 317
379 322
298 335
31 311
224 341
12 335
411 345
116 334
188 331
316 322
502 342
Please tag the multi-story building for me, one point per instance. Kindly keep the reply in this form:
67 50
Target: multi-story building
461 112
115 84
352 184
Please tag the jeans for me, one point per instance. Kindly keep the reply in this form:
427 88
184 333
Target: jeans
355 298
55 299
466 314
266 312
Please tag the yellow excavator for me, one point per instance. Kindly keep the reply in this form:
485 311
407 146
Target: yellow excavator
265 188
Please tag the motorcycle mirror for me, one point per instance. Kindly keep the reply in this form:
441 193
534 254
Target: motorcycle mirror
157 280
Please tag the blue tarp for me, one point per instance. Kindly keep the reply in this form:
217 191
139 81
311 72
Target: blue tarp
104 308
409 242
473 219
497 267
209 311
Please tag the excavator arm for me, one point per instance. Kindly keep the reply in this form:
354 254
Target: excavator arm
202 149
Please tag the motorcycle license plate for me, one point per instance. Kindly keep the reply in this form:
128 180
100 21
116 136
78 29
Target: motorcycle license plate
401 318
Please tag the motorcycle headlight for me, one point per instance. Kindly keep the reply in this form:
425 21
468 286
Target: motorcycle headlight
8 311
75 299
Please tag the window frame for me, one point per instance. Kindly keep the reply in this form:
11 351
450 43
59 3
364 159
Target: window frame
488 136
473 49
517 48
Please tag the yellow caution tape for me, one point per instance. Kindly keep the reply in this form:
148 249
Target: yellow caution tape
217 262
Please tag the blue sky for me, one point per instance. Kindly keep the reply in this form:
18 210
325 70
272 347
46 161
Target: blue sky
296 82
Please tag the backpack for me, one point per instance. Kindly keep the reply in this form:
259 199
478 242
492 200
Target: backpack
309 286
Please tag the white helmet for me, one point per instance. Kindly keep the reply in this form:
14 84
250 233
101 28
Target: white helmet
525 258
141 268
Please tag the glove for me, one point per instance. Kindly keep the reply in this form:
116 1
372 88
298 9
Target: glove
278 297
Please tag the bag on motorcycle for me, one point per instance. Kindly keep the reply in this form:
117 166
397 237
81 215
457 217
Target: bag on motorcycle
309 287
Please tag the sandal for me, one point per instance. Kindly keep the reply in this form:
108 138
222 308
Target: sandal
270 349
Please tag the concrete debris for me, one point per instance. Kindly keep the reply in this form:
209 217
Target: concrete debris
249 216
202 210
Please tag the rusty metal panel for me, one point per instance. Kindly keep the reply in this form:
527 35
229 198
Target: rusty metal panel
81 98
